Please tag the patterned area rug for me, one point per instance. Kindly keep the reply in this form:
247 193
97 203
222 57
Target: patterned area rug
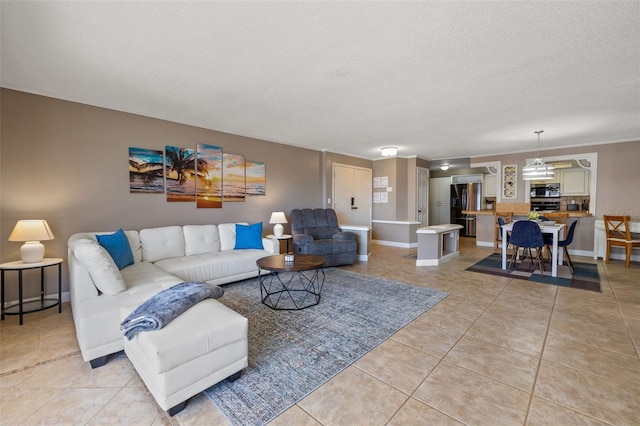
585 275
291 353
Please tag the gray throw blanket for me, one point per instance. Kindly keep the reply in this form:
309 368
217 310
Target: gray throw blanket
161 309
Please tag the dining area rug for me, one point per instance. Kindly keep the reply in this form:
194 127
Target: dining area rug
292 353
585 276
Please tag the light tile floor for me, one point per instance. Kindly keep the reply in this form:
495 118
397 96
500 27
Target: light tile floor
495 352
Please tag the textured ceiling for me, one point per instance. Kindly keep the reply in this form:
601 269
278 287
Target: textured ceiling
437 79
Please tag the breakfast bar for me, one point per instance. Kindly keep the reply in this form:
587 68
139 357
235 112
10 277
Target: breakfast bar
438 244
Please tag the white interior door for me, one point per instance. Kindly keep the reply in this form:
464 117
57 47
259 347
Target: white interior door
352 189
422 197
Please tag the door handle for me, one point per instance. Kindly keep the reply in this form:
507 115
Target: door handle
354 208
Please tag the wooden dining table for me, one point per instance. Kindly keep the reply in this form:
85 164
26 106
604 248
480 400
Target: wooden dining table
554 229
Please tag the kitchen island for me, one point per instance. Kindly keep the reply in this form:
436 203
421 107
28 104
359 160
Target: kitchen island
437 244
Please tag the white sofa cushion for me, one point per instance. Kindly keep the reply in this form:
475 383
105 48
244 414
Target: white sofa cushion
211 266
201 239
162 243
104 272
228 235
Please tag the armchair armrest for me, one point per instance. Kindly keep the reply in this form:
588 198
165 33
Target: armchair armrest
302 239
344 235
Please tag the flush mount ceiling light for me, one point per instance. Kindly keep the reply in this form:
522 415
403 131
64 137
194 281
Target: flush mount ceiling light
444 167
388 151
537 169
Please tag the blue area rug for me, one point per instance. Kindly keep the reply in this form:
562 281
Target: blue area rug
291 353
585 275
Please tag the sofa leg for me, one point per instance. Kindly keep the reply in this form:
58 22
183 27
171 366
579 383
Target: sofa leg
175 410
235 376
98 362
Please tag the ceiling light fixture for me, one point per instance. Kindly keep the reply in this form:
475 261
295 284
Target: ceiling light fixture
389 151
537 169
444 167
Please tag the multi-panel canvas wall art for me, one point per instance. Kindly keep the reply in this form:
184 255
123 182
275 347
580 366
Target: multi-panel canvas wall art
233 177
209 181
256 178
205 175
146 171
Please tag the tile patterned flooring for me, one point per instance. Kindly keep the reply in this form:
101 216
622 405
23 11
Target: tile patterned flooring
497 351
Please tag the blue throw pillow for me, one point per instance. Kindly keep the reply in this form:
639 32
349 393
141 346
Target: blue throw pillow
249 236
117 245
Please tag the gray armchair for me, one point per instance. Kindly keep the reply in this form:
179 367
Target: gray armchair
316 231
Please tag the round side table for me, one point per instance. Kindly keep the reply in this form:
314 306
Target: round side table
286 237
38 304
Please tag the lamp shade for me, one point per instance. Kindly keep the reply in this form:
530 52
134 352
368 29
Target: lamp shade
31 232
278 217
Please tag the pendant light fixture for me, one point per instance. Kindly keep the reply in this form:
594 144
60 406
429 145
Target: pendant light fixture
537 169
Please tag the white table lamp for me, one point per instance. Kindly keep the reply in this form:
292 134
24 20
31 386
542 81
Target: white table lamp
278 218
31 232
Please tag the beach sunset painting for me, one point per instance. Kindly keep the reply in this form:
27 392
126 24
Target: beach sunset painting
209 177
146 171
180 173
256 178
233 177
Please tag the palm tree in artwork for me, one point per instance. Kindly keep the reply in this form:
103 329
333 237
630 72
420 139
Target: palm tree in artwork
147 171
183 162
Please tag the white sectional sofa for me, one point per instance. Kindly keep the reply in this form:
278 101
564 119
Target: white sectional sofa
101 294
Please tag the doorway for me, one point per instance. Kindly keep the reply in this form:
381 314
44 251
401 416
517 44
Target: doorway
352 189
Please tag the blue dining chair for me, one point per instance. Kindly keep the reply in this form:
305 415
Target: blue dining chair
548 241
526 234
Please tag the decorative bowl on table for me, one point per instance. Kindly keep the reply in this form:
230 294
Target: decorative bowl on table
534 216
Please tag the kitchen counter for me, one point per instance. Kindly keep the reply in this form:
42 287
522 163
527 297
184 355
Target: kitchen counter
492 212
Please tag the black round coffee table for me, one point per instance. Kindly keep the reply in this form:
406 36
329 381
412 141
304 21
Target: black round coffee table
291 286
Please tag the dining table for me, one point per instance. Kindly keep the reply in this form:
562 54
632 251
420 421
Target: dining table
546 228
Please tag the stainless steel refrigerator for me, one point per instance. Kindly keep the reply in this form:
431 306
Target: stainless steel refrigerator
465 196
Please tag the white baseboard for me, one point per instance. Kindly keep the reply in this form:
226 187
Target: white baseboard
484 244
585 253
395 244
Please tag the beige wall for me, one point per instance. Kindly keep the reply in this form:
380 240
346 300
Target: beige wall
68 163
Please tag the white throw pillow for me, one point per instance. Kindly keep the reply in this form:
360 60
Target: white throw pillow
201 239
228 235
162 243
104 272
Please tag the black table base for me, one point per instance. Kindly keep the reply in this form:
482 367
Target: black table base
291 291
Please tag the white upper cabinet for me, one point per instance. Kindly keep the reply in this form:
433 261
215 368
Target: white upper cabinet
574 182
490 185
440 190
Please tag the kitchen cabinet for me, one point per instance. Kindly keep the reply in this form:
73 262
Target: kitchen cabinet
439 201
574 182
490 186
554 179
